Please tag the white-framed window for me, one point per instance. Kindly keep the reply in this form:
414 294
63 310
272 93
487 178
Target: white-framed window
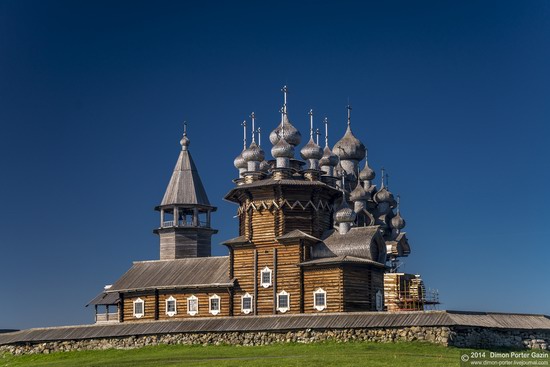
266 277
171 307
320 299
246 303
283 301
215 304
192 305
139 308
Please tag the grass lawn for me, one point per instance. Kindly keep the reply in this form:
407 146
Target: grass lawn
288 355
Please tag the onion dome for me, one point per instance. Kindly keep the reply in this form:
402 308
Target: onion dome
349 147
282 149
383 196
239 162
254 153
311 150
367 173
358 193
398 222
292 135
328 158
185 141
345 214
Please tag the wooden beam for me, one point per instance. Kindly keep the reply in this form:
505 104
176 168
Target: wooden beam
274 280
156 304
255 282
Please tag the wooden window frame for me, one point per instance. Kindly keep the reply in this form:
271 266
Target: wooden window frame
189 311
267 271
246 311
317 306
210 309
139 315
175 312
283 309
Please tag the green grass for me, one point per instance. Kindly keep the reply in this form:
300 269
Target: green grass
288 355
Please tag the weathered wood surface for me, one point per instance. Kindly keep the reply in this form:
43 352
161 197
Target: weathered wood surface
360 286
283 323
328 279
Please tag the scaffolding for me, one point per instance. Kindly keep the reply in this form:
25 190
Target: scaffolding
406 292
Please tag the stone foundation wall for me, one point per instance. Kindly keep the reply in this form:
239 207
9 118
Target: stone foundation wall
475 337
459 337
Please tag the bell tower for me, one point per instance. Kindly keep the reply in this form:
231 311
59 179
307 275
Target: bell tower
185 211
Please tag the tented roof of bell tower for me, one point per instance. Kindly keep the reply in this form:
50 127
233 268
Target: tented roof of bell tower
185 187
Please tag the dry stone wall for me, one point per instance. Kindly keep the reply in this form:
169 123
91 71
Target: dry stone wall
460 337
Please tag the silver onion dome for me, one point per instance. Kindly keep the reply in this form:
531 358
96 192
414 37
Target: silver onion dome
345 214
282 149
311 150
185 142
367 173
358 193
239 161
328 158
384 196
349 147
398 222
292 135
254 153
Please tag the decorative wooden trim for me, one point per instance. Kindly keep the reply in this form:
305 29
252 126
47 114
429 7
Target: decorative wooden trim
315 305
139 315
171 313
189 311
214 312
272 204
279 308
270 282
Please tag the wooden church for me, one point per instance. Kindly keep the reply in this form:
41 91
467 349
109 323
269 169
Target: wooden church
315 235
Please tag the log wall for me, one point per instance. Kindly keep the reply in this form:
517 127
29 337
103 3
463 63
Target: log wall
360 286
331 281
181 305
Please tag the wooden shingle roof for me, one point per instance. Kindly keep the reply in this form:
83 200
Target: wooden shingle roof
283 323
185 185
179 273
360 242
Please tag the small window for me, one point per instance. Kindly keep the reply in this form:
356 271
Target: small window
215 304
192 305
139 308
171 306
319 299
246 303
266 277
283 302
379 301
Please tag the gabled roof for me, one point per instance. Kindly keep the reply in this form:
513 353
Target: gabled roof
185 185
179 273
342 260
241 240
361 242
296 235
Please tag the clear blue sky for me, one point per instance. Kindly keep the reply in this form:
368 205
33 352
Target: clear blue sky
451 97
